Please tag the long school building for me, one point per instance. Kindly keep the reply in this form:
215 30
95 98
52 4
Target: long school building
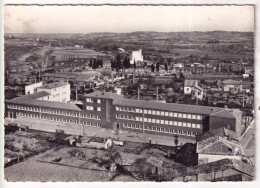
105 110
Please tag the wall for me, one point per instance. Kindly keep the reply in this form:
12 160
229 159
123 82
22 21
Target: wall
206 158
31 89
217 122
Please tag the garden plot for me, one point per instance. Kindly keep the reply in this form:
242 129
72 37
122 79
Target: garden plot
78 158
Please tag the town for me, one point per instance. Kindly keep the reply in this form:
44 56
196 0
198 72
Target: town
141 106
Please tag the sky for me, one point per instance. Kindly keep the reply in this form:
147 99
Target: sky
124 19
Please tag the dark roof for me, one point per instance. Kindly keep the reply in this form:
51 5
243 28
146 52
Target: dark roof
28 100
222 131
104 95
227 113
37 95
174 107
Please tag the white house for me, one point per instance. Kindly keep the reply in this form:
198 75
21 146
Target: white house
31 89
59 91
191 87
136 56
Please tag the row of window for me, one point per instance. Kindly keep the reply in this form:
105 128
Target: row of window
51 111
92 108
159 121
159 129
59 119
159 113
91 100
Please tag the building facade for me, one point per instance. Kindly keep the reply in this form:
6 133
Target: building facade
136 56
111 111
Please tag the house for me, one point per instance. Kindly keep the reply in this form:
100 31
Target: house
191 87
232 86
136 56
218 144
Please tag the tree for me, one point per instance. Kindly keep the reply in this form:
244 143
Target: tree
157 67
152 68
126 62
166 67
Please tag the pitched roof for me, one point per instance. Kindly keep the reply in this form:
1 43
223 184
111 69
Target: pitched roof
104 95
222 131
174 107
190 83
38 95
232 82
28 100
227 113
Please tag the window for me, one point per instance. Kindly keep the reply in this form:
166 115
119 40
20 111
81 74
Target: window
162 113
129 125
179 123
184 124
175 123
149 120
184 115
180 115
197 126
166 113
91 116
145 127
171 130
189 116
89 108
98 108
89 100
137 110
162 121
154 128
188 124
145 111
99 117
145 119
158 129
171 122
175 114
141 119
117 108
199 117
166 130
166 122
98 101
153 112
157 121
180 131
137 126
162 129
157 112
137 119
149 111
193 125
133 126
117 115
193 116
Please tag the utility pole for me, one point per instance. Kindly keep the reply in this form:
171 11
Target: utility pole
76 93
243 99
138 94
157 93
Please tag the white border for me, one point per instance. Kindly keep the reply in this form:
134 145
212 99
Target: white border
3 183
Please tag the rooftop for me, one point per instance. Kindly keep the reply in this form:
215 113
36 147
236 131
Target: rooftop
227 113
31 101
104 95
38 95
232 82
190 83
54 85
174 107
